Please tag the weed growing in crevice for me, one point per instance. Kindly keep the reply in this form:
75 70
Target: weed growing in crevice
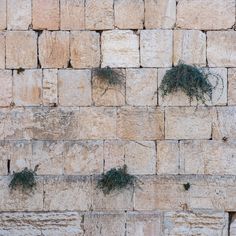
20 70
186 186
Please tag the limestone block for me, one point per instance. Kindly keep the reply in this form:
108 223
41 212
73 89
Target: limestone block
156 48
97 123
129 14
85 49
74 87
21 49
220 48
205 223
18 14
47 224
205 14
67 193
140 123
188 123
83 158
50 92
168 157
105 94
2 50
99 14
54 49
3 14
190 47
160 14
146 223
120 48
232 86
46 14
232 231
72 14
6 88
27 87
141 87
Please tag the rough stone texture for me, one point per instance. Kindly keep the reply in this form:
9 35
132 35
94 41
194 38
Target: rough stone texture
21 49
233 226
160 14
129 14
99 14
6 88
141 87
27 88
3 14
2 50
72 14
130 120
188 123
18 14
156 48
46 14
54 49
190 47
206 14
232 86
85 49
120 48
74 87
220 48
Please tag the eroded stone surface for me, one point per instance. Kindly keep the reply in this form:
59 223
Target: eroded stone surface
6 88
232 86
3 14
2 50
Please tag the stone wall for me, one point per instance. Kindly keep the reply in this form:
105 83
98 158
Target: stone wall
56 113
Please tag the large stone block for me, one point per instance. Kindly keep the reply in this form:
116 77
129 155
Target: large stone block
85 49
21 49
190 47
46 14
220 48
120 48
141 87
6 88
3 14
206 14
74 87
54 49
140 123
2 50
232 86
156 48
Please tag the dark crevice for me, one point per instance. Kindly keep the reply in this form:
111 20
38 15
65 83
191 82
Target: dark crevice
231 214
8 166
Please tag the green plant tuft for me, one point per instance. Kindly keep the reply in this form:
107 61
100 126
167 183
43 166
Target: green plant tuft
116 179
193 81
187 186
20 70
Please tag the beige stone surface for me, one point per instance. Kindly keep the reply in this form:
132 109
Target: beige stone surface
18 14
46 14
74 87
206 14
54 49
141 87
21 49
2 50
85 49
220 48
190 47
99 14
160 14
232 86
130 120
6 88
129 14
156 48
3 14
72 14
188 123
120 48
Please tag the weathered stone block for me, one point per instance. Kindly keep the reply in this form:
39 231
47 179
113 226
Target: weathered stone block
74 87
2 50
160 14
129 14
205 14
27 88
140 123
120 48
46 14
21 49
54 49
72 14
232 86
220 48
156 48
232 230
18 14
85 49
6 88
99 14
141 87
3 14
190 47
